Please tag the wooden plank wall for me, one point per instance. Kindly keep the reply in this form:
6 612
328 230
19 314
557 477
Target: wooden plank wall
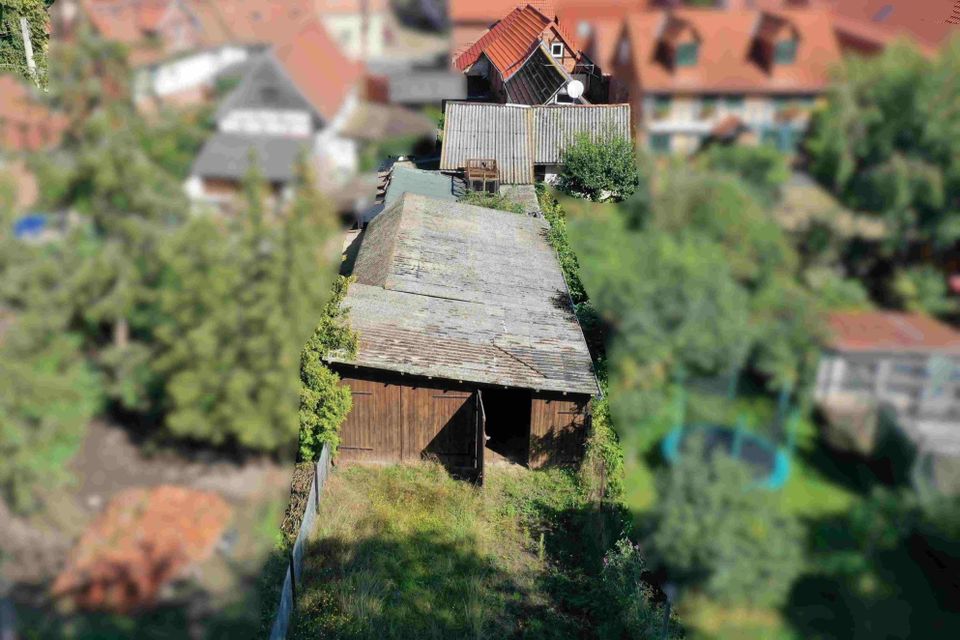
398 419
558 429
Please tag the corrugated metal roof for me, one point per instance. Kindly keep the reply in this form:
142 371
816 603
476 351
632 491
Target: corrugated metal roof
558 125
460 292
481 131
227 155
518 136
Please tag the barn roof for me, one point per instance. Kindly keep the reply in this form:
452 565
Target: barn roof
519 136
459 292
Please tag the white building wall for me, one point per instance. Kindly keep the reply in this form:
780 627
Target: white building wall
283 122
347 30
189 72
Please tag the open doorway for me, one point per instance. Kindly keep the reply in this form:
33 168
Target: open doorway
508 423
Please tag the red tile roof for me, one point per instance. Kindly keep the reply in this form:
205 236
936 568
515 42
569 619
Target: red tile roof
26 124
489 11
924 20
596 26
725 64
319 68
508 43
126 21
891 331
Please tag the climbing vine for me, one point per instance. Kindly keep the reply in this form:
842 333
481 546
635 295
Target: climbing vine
13 57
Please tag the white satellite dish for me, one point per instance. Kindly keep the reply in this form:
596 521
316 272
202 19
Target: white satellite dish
575 89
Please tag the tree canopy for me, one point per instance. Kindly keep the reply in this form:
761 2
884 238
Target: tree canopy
886 141
599 171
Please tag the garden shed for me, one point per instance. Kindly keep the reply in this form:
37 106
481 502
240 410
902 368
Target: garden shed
468 341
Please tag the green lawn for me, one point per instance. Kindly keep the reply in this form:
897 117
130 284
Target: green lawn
408 552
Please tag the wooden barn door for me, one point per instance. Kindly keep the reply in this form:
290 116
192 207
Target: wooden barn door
372 428
437 421
558 429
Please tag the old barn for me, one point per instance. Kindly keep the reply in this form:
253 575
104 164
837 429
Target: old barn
467 337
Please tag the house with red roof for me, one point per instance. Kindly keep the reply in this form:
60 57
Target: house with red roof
529 58
905 366
692 75
26 124
296 98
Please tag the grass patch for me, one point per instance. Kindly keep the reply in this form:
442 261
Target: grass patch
408 552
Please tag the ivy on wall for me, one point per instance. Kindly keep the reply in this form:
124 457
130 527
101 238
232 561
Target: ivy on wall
13 57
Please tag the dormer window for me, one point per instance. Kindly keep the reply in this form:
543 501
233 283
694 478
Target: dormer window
679 44
687 54
785 51
556 49
775 42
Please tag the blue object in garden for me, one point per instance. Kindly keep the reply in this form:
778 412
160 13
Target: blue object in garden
29 226
768 460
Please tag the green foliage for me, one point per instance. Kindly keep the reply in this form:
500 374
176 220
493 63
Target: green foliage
48 394
601 472
598 171
670 301
491 201
88 74
236 311
722 209
886 144
922 289
12 53
374 153
324 402
762 168
173 139
632 611
558 238
835 292
715 532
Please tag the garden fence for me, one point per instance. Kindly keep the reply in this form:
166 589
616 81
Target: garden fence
294 574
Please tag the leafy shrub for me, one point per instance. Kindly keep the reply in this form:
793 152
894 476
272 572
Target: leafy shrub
717 532
632 611
558 239
599 171
763 168
601 472
324 402
491 201
922 289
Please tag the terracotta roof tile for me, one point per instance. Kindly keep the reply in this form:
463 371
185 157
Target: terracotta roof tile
319 68
924 20
490 11
26 124
891 331
511 41
724 63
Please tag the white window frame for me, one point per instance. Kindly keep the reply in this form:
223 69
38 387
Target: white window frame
554 46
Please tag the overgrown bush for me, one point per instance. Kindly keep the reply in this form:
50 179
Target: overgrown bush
324 402
557 237
763 168
718 532
601 473
491 201
922 289
599 171
632 610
